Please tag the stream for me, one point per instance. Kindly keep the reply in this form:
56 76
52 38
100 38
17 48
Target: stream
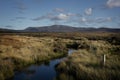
45 71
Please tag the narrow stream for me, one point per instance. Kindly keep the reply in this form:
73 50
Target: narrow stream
40 72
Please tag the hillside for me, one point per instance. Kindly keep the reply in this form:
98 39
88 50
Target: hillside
62 28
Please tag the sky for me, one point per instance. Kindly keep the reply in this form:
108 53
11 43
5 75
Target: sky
20 14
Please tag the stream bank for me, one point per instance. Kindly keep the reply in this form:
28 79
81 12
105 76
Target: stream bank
44 71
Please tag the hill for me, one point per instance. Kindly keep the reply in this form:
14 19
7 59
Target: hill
62 28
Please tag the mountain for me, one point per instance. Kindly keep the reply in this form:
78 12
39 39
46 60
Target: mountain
62 28
7 30
53 28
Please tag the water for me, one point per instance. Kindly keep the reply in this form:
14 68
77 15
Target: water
40 72
70 51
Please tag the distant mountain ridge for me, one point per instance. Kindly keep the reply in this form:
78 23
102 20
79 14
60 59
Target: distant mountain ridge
53 28
7 30
62 28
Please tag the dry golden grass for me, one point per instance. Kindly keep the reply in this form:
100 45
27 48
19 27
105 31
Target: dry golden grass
87 63
20 51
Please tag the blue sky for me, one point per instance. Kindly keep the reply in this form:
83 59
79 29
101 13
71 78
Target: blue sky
20 14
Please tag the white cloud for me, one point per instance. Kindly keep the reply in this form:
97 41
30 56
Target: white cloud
103 19
88 11
87 20
59 10
71 14
108 19
53 17
83 19
63 16
60 16
113 3
94 20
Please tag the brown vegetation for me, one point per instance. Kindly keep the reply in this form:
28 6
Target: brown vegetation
87 62
19 51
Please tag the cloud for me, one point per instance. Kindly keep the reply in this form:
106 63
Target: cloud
93 21
53 17
73 15
113 3
103 19
21 6
83 19
108 19
20 18
87 20
62 16
58 14
47 16
78 15
88 11
59 10
118 23
38 18
8 26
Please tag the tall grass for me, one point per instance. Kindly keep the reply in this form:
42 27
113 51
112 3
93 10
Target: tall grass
20 51
87 63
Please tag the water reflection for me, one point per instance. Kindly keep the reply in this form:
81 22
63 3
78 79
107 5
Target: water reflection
47 63
45 71
70 51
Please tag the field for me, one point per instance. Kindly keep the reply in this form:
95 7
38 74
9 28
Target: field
88 62
18 50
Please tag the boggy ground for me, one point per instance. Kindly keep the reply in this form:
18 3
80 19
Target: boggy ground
19 51
87 62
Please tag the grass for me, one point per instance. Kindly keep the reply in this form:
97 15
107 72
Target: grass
20 51
86 63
